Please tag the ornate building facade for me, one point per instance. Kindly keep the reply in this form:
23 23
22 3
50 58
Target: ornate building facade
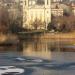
36 9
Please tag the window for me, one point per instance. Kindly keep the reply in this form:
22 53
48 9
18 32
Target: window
47 2
25 2
40 2
32 2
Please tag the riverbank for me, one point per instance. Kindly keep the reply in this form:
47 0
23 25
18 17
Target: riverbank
48 35
9 42
59 35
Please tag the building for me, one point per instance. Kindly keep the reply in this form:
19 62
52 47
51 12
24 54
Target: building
36 9
55 1
57 12
57 9
73 8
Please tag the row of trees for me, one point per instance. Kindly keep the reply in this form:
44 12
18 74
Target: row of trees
9 22
62 24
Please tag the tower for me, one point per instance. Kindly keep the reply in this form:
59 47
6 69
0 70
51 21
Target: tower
33 10
47 12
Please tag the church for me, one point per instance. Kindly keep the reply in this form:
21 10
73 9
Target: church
36 9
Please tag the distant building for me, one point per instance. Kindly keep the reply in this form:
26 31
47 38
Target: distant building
55 1
57 9
13 7
36 9
57 12
73 8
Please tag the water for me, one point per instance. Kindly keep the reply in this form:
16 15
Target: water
48 48
42 57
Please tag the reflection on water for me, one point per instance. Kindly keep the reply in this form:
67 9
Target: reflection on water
36 48
45 47
50 49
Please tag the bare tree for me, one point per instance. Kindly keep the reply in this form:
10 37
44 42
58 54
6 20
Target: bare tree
38 24
64 24
4 19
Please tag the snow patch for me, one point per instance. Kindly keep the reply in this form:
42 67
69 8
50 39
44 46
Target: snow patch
10 69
